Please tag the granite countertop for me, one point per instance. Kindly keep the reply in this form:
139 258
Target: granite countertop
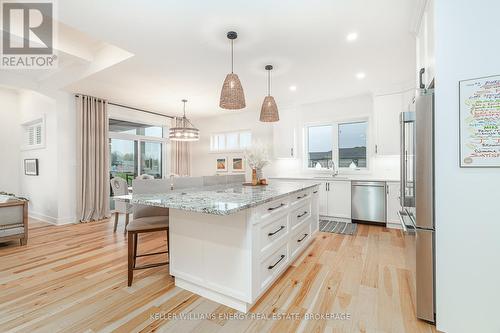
218 199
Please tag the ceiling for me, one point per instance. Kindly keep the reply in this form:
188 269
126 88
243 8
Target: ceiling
180 49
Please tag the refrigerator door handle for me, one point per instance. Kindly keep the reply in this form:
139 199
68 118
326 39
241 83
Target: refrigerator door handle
403 162
402 221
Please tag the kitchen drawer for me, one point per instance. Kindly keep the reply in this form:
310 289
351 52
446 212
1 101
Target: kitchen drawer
299 239
299 215
273 265
273 208
299 197
271 233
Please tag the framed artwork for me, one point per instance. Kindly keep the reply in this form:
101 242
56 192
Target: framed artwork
31 166
221 164
480 122
238 164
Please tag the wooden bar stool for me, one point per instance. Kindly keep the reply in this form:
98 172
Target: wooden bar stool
147 219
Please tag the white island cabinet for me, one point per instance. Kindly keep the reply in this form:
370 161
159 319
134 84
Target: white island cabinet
230 243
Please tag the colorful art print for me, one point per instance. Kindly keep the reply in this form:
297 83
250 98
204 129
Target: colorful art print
480 122
221 164
238 164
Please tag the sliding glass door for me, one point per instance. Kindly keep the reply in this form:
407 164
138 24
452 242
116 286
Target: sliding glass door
123 159
151 158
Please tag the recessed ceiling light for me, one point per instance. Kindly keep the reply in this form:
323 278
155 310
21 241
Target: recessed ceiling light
351 37
360 75
293 88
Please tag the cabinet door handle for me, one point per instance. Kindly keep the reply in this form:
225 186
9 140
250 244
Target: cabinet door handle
300 215
291 152
273 208
376 149
303 237
277 262
420 78
275 232
302 196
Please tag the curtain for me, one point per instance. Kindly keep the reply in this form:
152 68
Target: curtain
92 159
180 154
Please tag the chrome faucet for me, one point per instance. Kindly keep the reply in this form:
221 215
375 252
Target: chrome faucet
335 169
172 181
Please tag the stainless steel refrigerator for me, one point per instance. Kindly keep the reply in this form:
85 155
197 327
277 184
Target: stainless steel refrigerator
417 201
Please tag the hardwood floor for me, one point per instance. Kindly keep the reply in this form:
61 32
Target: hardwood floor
74 279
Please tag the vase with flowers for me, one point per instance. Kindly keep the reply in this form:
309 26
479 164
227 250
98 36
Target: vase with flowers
257 158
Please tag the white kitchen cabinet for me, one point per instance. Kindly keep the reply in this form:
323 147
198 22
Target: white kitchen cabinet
284 136
335 199
393 203
323 199
425 45
387 109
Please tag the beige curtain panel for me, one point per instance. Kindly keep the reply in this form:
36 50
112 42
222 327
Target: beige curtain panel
180 154
92 155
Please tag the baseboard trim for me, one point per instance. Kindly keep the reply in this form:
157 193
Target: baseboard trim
51 219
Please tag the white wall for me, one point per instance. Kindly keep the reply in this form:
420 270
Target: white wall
10 136
52 193
357 107
467 219
41 190
202 161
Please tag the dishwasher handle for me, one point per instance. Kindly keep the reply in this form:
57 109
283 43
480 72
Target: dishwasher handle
376 184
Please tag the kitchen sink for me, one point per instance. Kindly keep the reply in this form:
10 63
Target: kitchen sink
331 177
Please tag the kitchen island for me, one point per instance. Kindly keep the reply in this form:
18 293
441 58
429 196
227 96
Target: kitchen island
229 243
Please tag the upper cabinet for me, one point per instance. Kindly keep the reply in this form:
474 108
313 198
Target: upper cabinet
284 135
386 115
425 46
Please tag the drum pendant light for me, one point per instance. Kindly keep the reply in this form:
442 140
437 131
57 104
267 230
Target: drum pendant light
184 129
269 110
232 96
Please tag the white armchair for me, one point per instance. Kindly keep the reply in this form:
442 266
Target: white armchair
120 187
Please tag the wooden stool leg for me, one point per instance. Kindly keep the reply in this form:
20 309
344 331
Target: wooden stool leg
168 247
135 247
116 222
126 223
131 258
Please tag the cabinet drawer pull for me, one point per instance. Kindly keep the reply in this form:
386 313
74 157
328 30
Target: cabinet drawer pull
275 232
273 208
315 192
300 215
302 196
300 240
277 262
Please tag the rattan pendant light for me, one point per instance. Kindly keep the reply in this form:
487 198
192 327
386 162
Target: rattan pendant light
232 96
269 111
184 130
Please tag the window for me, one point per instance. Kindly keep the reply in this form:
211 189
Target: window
352 145
230 141
136 149
127 127
123 157
319 147
351 139
151 157
34 134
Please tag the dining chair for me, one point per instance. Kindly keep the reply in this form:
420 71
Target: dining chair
120 187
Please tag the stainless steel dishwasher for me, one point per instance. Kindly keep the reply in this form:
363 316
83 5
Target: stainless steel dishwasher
368 201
